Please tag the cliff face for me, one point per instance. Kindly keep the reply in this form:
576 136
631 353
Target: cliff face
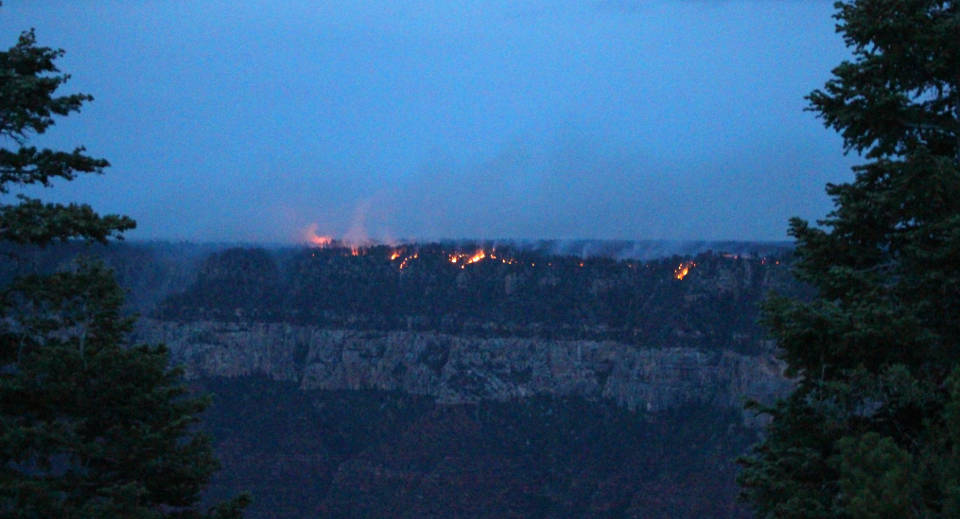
460 369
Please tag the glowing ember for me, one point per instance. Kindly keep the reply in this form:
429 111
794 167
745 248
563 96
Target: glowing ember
406 261
683 269
404 258
464 258
467 259
477 257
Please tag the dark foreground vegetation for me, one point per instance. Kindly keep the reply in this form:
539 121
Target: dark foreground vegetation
90 425
374 454
873 427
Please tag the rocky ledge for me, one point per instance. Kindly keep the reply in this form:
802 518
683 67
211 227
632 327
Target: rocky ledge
458 369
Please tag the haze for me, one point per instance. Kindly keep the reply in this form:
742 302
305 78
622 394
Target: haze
612 119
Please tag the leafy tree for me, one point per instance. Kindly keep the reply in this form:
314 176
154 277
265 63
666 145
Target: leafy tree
871 430
89 426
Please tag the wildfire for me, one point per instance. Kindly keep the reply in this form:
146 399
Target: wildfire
404 256
311 237
405 259
683 269
466 259
477 257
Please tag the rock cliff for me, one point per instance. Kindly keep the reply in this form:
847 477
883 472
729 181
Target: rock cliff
456 369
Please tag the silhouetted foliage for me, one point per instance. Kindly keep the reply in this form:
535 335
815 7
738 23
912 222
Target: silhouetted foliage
870 430
89 426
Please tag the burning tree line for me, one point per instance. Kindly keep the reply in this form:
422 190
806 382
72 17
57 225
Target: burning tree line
708 301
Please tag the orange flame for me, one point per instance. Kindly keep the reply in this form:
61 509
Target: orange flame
478 256
311 237
406 261
467 259
683 269
400 253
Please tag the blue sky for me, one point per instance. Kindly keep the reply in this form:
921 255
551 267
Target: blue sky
608 119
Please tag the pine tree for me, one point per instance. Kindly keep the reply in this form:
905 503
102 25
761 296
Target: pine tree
872 428
89 425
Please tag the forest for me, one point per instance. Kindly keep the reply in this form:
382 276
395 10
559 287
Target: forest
507 292
612 405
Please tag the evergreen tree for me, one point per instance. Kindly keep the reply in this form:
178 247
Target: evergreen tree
89 426
872 427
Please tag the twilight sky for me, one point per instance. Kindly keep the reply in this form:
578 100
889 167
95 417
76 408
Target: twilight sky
390 119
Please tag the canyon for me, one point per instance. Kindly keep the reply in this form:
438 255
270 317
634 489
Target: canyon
464 379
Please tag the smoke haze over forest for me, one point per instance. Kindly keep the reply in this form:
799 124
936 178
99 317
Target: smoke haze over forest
624 120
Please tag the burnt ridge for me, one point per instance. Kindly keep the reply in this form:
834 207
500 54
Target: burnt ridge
709 300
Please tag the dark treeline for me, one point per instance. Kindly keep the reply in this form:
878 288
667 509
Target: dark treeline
508 292
147 270
512 291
